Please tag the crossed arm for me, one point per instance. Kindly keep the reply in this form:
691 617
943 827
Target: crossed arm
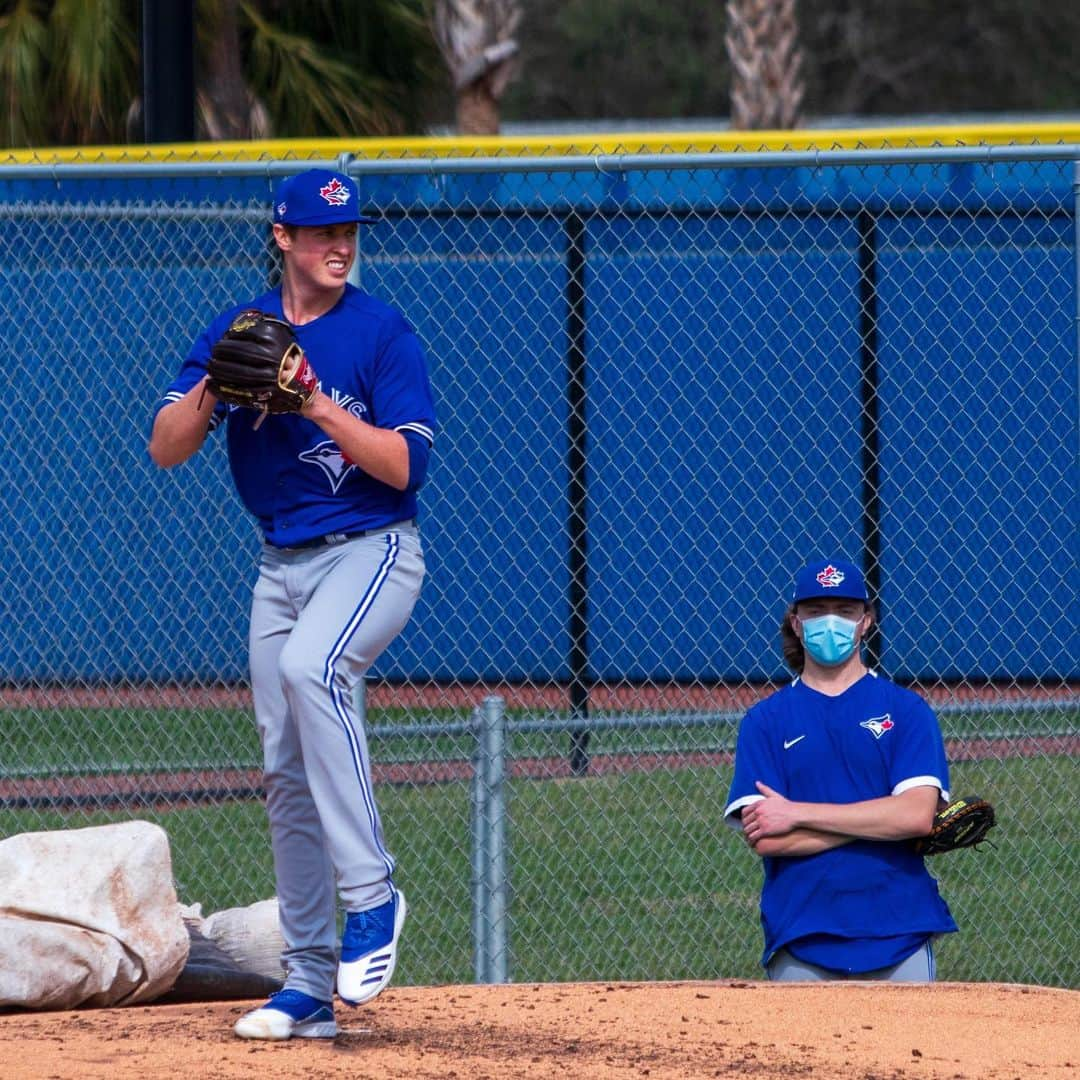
777 826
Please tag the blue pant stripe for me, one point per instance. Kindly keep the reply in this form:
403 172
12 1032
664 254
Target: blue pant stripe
340 704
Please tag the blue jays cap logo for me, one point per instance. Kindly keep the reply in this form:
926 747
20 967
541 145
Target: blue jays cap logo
335 193
830 577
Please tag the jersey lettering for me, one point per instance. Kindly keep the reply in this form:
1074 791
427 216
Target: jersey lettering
347 402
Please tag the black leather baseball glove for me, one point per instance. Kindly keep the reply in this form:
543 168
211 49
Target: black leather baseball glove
962 823
258 363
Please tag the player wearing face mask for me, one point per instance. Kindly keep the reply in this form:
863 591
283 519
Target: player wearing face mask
834 775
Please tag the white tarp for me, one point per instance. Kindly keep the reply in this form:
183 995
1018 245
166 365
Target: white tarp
88 917
250 935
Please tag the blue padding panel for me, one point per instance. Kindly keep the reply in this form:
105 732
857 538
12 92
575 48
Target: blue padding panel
998 187
723 436
724 439
980 560
491 313
109 576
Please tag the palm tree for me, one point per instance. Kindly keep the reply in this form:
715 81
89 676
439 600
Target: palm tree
69 69
226 106
766 64
68 73
341 67
477 43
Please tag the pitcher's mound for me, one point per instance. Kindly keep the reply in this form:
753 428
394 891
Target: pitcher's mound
598 1031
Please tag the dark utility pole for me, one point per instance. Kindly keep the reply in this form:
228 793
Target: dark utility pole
168 70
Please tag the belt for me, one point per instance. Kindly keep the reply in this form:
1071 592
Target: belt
330 539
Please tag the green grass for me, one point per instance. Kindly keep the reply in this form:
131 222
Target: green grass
633 876
52 742
1015 902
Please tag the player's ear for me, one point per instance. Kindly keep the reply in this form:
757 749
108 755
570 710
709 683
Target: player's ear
283 236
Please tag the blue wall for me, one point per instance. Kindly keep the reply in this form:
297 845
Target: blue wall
724 344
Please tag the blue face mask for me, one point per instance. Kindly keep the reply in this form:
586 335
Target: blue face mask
829 639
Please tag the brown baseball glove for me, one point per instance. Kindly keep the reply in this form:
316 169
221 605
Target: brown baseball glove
258 363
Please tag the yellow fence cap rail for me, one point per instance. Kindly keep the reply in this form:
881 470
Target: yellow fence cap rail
645 142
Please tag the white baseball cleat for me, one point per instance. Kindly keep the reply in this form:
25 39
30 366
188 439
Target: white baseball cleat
289 1014
369 950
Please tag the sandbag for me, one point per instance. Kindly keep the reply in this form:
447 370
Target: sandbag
250 935
88 917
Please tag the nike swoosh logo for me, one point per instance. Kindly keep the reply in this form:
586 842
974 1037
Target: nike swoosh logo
788 744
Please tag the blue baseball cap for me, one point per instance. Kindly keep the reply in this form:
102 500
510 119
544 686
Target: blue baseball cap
829 577
318 197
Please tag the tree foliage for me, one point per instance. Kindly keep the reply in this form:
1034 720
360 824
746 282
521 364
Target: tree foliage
70 69
640 59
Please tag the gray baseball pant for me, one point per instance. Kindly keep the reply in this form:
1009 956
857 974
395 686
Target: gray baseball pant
920 966
319 618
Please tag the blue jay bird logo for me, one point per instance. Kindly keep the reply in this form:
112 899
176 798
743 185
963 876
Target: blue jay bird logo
878 725
328 456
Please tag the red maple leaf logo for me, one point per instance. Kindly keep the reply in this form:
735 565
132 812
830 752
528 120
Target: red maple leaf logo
335 193
830 577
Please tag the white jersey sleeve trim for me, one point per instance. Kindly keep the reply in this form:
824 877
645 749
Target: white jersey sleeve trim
731 814
920 781
418 429
217 417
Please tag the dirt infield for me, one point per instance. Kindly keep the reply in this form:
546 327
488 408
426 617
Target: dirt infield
602 1031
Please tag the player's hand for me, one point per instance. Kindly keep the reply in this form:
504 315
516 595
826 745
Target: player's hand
771 816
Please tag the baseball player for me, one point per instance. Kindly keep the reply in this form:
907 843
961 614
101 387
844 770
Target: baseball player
834 775
333 489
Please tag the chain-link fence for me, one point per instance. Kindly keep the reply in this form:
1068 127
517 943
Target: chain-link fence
663 382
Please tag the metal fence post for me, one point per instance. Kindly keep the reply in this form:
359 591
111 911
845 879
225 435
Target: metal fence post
870 397
494 759
488 820
478 828
359 700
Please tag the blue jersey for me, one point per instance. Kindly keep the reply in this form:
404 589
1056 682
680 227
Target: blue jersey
868 903
295 480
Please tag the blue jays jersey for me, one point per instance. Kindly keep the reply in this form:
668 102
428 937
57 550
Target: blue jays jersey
295 480
875 739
